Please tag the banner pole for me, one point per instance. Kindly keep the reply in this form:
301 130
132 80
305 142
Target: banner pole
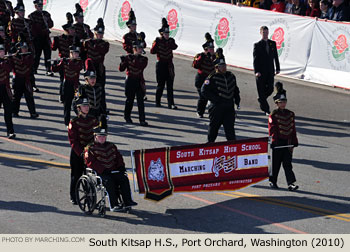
133 170
270 153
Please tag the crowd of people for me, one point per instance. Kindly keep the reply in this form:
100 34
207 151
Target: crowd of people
335 10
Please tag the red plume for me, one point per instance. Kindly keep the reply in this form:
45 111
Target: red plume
89 66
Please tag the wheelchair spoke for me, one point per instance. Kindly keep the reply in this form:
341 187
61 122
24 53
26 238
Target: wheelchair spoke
82 198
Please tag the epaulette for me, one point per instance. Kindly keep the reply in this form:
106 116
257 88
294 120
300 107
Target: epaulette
87 147
291 112
274 111
90 116
197 56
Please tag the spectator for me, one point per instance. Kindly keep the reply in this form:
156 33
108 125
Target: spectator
339 11
298 8
265 4
324 7
313 9
278 6
289 6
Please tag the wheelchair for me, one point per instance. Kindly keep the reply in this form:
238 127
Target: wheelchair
92 195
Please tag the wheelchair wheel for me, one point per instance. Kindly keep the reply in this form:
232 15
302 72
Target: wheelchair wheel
86 194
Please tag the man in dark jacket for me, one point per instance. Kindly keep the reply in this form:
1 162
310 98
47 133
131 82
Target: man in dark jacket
265 58
339 11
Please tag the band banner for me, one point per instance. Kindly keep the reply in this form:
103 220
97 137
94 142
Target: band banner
218 166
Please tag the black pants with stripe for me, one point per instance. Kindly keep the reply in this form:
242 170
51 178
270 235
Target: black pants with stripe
6 101
77 166
221 114
164 77
282 156
133 88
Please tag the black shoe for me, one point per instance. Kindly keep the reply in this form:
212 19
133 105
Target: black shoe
128 120
15 115
117 209
35 115
130 204
144 124
199 115
145 98
35 72
35 89
172 106
158 105
293 187
48 73
11 135
273 185
74 202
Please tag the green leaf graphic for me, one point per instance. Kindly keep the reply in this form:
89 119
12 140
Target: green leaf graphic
338 56
121 23
280 51
220 42
174 32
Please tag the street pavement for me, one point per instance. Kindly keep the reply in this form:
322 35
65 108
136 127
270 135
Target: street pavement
35 175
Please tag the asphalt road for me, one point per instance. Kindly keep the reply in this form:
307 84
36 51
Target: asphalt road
35 175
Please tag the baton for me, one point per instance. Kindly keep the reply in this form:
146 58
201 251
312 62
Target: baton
15 54
59 59
117 56
285 146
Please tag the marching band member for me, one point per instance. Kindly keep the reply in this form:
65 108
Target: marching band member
42 23
283 139
71 68
221 89
134 64
163 46
105 158
80 134
22 82
93 91
63 43
204 62
5 90
96 50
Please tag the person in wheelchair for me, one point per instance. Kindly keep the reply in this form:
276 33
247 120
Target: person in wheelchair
105 159
80 134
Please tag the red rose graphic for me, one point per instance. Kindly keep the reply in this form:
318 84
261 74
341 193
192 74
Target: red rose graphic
125 11
44 2
172 19
223 28
341 44
84 4
278 37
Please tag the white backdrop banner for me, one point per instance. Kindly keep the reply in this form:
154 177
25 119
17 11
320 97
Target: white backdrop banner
231 28
329 61
308 49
